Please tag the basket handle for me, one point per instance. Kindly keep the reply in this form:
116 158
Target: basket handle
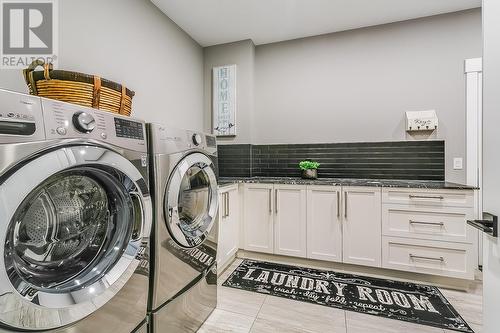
122 101
28 73
96 96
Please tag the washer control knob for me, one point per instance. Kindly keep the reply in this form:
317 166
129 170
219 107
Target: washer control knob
84 122
61 130
197 140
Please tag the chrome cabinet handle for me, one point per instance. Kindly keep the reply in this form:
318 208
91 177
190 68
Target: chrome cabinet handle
345 204
413 257
223 210
227 206
223 205
427 223
338 203
276 200
413 196
270 202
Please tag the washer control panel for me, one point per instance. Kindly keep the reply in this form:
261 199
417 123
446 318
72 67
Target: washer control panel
64 120
196 138
170 140
129 129
211 141
84 122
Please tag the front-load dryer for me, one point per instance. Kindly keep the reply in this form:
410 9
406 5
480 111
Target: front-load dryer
75 218
184 246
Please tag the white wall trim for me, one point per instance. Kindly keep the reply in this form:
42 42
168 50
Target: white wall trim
473 65
474 133
473 76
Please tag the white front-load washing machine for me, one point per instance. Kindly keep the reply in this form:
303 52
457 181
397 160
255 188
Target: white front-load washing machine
184 237
75 218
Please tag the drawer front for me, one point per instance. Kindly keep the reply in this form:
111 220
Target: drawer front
428 257
425 197
434 223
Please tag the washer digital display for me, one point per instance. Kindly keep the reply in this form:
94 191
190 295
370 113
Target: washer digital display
129 129
211 142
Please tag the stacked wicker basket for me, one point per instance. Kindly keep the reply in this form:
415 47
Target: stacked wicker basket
78 88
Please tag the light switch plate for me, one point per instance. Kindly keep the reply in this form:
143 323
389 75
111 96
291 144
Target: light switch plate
458 163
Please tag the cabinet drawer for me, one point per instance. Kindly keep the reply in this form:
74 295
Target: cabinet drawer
434 223
428 257
426 197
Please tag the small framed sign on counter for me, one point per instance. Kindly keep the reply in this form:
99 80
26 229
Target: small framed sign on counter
224 100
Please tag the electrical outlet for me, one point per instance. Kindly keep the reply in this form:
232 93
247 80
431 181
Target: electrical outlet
458 163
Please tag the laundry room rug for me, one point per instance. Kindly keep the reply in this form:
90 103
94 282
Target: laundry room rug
415 303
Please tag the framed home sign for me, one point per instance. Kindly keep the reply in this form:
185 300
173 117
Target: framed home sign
224 100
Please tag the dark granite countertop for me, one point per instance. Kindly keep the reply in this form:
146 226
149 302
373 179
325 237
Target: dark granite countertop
429 184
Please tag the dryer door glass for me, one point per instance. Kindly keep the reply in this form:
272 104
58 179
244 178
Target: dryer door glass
192 200
71 229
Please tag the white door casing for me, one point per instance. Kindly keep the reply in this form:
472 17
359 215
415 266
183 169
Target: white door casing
474 137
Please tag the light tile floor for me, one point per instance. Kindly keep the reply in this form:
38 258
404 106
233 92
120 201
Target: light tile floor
241 311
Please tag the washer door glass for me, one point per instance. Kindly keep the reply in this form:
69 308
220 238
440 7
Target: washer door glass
71 230
191 200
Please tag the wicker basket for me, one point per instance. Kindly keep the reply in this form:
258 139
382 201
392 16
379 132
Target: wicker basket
78 88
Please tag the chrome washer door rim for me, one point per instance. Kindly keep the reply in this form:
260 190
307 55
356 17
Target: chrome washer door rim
55 310
195 237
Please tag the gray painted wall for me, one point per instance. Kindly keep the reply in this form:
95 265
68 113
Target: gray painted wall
131 41
355 85
491 161
243 55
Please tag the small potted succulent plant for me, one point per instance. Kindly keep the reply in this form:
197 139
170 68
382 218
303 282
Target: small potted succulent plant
309 169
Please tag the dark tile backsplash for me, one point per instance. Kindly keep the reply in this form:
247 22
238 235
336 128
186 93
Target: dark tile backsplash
235 160
412 160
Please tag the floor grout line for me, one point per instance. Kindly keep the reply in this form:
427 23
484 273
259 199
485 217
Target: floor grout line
257 315
345 321
229 272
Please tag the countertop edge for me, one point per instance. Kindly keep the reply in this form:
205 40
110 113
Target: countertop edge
384 183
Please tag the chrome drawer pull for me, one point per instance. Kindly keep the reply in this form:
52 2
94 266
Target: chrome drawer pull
441 224
338 203
413 257
413 196
270 202
276 200
345 204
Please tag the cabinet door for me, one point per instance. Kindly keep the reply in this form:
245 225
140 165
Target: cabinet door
228 224
232 221
258 218
221 237
362 226
324 227
290 220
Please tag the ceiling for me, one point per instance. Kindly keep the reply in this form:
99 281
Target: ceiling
212 22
